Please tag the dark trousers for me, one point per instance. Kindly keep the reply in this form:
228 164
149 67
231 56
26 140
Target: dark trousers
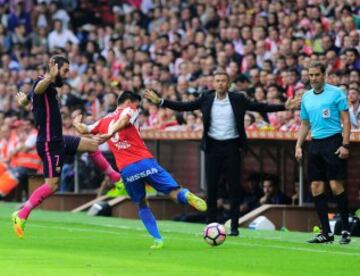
223 158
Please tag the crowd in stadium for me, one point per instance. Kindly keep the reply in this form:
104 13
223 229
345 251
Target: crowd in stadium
173 47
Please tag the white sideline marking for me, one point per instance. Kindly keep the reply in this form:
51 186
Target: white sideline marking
244 244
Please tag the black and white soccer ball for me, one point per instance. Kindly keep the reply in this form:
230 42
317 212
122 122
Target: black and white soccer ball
214 234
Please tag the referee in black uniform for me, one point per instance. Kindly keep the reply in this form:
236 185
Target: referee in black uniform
223 137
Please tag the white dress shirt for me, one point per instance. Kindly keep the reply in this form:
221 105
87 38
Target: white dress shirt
222 120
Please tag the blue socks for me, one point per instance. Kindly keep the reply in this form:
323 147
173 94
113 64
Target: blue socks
181 196
149 222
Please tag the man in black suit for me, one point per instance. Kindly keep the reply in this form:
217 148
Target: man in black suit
224 135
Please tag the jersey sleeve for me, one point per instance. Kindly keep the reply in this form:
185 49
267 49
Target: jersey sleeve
36 82
341 102
131 113
303 113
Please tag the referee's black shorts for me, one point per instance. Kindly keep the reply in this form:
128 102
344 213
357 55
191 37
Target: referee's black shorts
324 164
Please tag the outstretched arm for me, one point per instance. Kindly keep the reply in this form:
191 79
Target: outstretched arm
264 107
179 106
79 126
121 123
84 129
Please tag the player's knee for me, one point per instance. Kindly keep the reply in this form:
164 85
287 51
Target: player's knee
337 187
92 146
53 183
317 188
87 145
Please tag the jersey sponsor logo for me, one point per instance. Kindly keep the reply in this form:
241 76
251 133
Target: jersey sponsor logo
142 174
326 113
118 143
121 144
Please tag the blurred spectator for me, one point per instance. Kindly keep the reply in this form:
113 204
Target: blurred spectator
60 36
252 194
248 120
354 110
19 15
174 48
260 123
352 58
271 192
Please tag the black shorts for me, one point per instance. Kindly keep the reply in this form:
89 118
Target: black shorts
71 144
324 164
52 156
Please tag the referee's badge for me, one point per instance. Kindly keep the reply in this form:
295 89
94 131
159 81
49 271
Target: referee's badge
326 113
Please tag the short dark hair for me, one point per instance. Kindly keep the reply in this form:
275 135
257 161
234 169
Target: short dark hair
274 179
128 95
221 72
318 64
242 78
60 60
352 50
357 90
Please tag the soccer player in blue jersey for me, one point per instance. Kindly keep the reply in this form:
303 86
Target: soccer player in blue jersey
325 111
51 145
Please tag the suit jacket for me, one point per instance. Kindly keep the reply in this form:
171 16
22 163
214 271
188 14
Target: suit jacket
240 104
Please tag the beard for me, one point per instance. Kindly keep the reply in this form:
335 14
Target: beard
59 81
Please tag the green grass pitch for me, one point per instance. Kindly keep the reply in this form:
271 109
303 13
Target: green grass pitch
60 243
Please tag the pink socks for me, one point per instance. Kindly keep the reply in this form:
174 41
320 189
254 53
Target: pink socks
35 199
99 160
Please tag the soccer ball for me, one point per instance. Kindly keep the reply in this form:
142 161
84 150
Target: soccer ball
214 234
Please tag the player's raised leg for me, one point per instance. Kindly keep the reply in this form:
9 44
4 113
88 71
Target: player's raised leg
184 196
90 146
163 182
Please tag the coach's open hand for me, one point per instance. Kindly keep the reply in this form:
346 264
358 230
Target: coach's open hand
152 96
293 103
342 152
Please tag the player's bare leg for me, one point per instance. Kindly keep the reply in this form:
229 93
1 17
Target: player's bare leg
91 146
